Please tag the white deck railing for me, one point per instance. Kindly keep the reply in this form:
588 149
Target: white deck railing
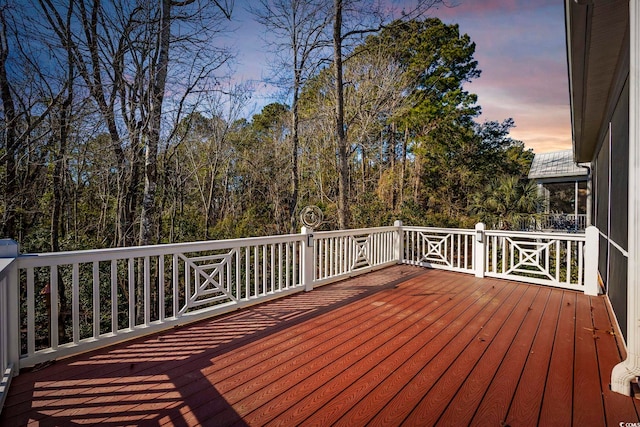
341 254
73 301
555 259
6 365
58 304
566 222
546 258
443 248
563 221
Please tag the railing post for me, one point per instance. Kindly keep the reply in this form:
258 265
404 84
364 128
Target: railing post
591 253
9 251
308 266
478 244
399 242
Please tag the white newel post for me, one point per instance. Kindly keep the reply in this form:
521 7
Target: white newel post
629 370
9 251
399 243
307 259
591 253
478 244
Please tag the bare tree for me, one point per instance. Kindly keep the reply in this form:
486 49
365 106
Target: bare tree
29 95
64 130
89 50
341 136
297 37
375 92
353 20
123 56
10 133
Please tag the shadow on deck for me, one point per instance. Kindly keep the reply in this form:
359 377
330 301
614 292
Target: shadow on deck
402 345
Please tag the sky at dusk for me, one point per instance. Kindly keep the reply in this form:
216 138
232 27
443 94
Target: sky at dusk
520 48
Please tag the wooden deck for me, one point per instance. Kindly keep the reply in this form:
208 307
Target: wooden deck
401 346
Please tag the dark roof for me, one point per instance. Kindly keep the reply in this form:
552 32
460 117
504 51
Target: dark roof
558 164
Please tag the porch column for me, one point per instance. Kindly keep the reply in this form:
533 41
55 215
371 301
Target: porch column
629 369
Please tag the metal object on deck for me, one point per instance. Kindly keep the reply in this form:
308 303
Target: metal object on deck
311 216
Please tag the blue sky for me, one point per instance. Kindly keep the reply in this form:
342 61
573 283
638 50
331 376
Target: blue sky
520 48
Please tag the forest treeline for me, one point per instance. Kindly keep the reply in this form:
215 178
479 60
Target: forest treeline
119 126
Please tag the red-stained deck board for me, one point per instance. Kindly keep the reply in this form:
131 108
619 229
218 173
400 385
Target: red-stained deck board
586 388
371 364
557 403
495 377
278 395
444 331
495 330
334 406
272 367
417 387
617 408
402 345
366 363
523 404
271 395
299 361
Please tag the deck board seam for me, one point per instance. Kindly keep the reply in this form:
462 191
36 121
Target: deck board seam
554 353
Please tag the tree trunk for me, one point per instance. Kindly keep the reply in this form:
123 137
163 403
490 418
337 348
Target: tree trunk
152 137
59 169
364 169
343 154
403 169
10 135
293 201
